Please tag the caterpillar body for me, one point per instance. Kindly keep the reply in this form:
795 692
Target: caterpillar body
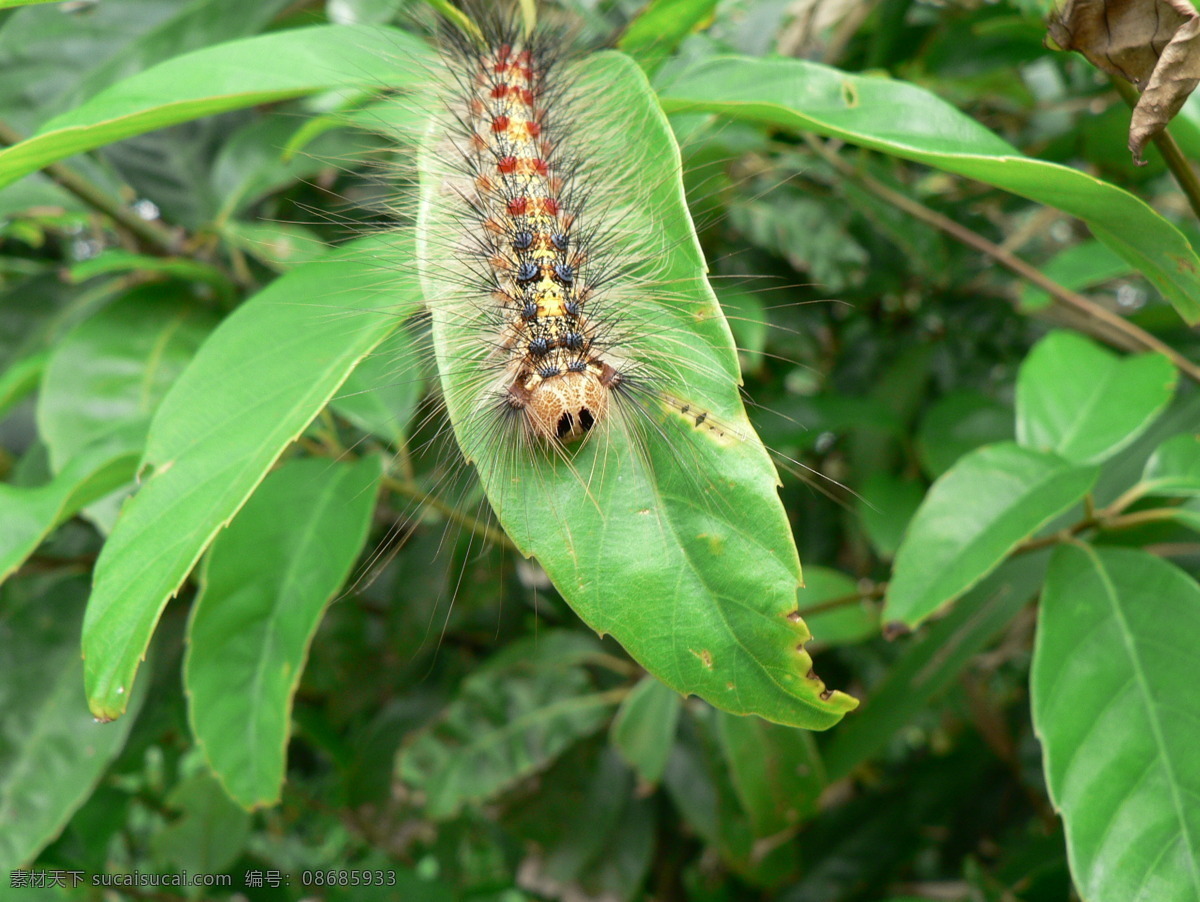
589 374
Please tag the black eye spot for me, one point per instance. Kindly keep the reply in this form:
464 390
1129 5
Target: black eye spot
549 372
560 241
527 271
523 240
577 366
539 347
586 420
572 308
573 341
529 311
564 425
564 273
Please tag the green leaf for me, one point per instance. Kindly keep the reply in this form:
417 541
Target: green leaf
279 246
230 76
711 611
654 34
52 752
511 718
115 260
210 831
29 513
110 373
644 729
959 422
1114 690
264 586
1174 468
932 661
840 625
1085 403
20 379
242 400
776 771
983 507
1079 267
904 120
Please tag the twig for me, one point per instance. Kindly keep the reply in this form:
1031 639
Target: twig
1109 327
151 234
1185 175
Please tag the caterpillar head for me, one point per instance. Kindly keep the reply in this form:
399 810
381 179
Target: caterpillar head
567 407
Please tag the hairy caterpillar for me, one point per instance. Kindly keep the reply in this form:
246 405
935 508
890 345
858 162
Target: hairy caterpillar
589 375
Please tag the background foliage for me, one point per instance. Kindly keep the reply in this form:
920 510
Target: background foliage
902 259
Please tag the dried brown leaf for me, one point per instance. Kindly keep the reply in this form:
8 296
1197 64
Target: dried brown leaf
1155 44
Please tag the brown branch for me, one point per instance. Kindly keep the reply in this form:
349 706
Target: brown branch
151 234
1098 321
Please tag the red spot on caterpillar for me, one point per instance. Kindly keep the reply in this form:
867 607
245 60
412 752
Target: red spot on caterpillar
477 107
500 124
533 128
493 225
517 206
504 52
499 91
479 143
484 184
550 206
526 97
507 165
540 167
555 184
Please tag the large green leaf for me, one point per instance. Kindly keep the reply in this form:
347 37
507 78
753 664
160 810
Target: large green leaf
1174 468
1114 702
512 716
109 373
253 387
264 587
973 516
652 36
664 530
644 729
29 513
52 752
776 771
907 121
230 76
1085 403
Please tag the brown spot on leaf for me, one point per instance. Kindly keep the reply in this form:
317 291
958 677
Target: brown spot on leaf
826 694
811 675
1155 44
894 630
705 657
794 616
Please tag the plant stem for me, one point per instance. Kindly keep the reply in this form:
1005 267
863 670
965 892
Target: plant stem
1099 321
1185 175
151 234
